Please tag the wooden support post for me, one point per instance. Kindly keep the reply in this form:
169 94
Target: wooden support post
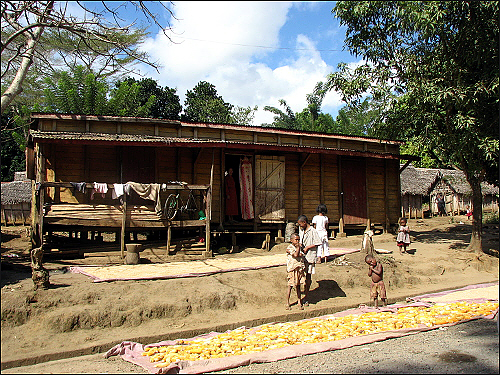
233 242
124 221
268 241
169 238
368 224
208 208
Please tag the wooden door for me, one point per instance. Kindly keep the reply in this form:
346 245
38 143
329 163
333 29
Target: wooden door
270 188
354 191
138 164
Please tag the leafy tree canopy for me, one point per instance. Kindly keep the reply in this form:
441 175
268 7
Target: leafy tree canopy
167 104
433 65
81 92
204 105
38 37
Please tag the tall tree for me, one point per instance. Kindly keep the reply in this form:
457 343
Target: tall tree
243 115
283 119
359 119
39 33
167 104
205 105
81 92
13 143
434 66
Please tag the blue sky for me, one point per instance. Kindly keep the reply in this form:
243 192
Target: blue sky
221 42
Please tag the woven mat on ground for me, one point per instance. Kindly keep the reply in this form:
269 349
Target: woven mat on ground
192 268
132 351
477 293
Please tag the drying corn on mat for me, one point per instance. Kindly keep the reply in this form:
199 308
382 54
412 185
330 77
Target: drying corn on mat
272 342
191 268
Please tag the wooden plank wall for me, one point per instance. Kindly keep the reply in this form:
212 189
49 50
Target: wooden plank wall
375 190
311 186
291 187
331 187
19 213
393 191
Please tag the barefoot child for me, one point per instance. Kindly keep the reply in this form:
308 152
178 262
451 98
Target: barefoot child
310 241
403 238
294 269
376 272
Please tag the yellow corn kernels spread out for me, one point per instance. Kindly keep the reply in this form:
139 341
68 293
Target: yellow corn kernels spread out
273 336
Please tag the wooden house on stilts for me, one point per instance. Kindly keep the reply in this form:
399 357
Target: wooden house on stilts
278 175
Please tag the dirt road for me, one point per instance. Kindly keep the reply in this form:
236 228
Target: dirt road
465 348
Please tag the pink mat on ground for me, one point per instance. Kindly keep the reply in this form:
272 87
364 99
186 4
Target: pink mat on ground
88 270
429 297
132 351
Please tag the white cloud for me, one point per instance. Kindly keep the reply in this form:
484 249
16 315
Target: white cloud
212 35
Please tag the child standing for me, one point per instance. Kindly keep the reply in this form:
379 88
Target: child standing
376 272
310 241
294 269
320 223
403 238
468 212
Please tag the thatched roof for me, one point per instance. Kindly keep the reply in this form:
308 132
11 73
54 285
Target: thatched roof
16 192
418 181
421 181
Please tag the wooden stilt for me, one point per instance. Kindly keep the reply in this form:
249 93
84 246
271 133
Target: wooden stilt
124 220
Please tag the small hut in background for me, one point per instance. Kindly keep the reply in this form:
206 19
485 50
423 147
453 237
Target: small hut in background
421 186
457 193
416 185
16 200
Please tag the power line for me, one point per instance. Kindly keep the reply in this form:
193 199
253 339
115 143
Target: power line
266 47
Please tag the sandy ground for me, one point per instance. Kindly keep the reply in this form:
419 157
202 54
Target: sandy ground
79 317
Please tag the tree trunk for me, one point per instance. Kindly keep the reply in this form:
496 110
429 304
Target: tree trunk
16 86
39 274
476 240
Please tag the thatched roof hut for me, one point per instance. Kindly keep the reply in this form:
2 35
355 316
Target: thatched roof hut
16 192
16 202
421 185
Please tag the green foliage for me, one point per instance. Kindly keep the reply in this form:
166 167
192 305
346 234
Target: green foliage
167 104
433 67
77 91
204 105
283 119
243 115
359 118
124 101
490 218
13 144
81 92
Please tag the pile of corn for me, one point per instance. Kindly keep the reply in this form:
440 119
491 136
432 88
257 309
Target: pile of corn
273 336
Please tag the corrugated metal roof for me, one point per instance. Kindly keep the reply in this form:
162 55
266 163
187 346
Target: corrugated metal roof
66 116
124 138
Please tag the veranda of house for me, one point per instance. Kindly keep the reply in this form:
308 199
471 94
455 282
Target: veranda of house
292 172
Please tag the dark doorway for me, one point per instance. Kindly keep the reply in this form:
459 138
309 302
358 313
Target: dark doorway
233 161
